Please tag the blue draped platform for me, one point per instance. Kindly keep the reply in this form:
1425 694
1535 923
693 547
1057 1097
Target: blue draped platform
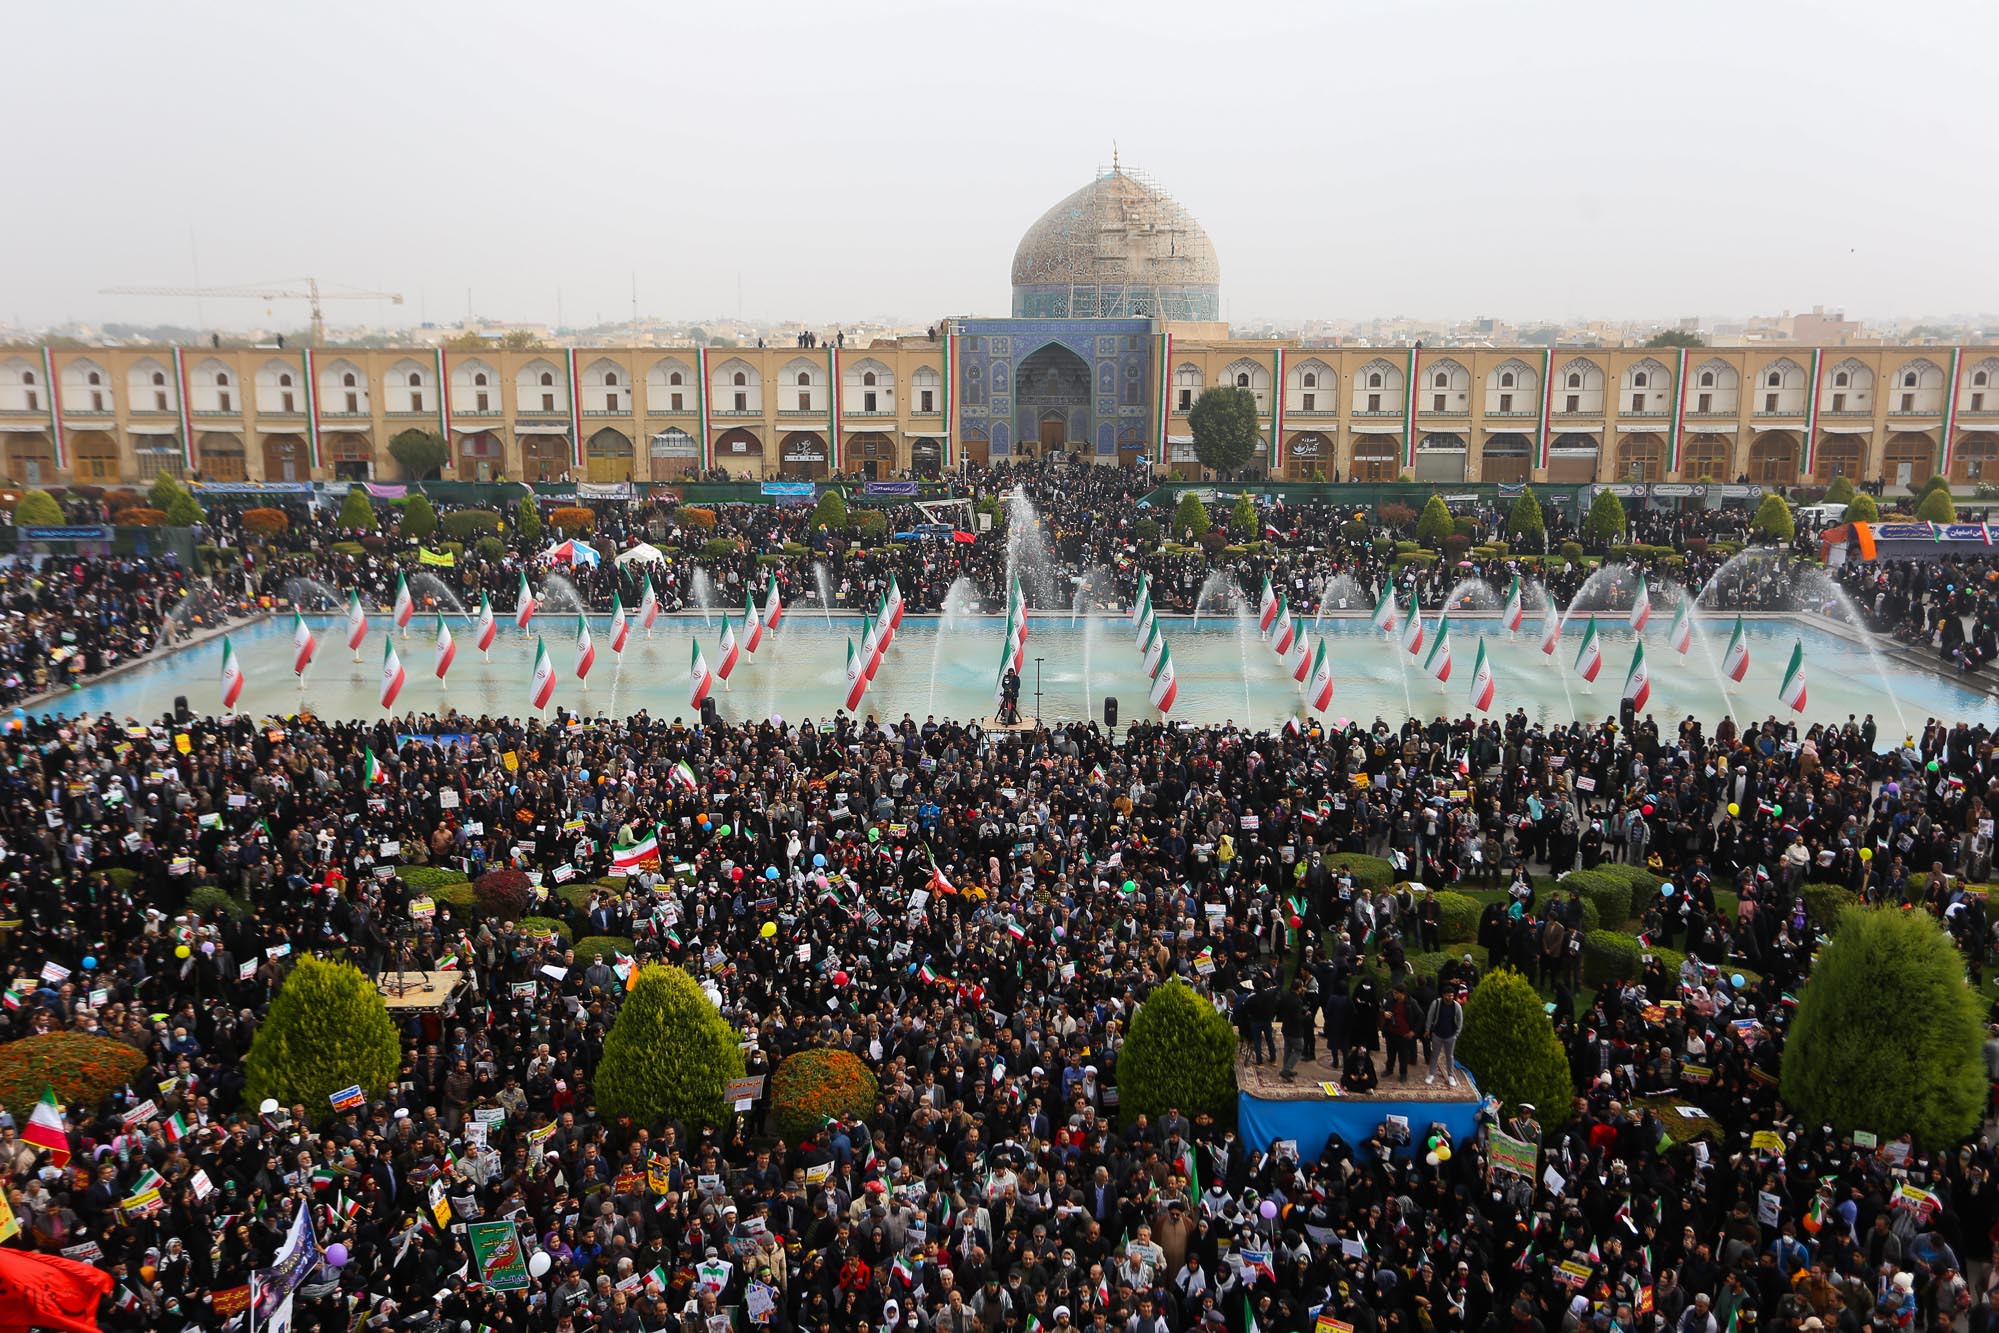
1311 1120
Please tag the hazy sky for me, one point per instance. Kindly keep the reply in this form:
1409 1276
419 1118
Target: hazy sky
1521 159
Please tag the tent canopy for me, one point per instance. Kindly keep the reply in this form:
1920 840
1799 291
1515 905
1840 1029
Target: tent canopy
645 553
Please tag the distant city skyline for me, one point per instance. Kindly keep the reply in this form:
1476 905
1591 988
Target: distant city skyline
1553 161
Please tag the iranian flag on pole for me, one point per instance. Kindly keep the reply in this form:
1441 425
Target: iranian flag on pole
1019 627
1165 685
447 648
1320 692
894 602
1483 686
1282 631
649 604
700 679
232 676
631 855
1735 662
753 625
586 648
621 625
1792 691
1515 611
1638 682
1385 610
1438 663
1266 607
46 1130
683 776
542 686
857 678
523 603
392 674
1589 657
871 647
357 623
302 644
1681 635
371 769
1300 660
1155 644
773 604
730 650
405 604
884 622
1145 621
1641 604
487 627
1551 628
1412 629
1140 601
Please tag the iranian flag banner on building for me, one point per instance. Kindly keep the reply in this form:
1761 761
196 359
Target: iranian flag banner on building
1792 691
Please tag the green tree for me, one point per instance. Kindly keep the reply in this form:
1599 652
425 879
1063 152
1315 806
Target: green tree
1862 509
1773 521
38 509
327 1031
1242 518
831 512
519 340
423 453
1525 523
183 510
527 519
1675 338
668 1054
161 493
357 511
1434 523
1511 1048
1887 1037
1180 1052
1937 507
1224 424
1840 492
1937 482
419 517
1190 515
1605 521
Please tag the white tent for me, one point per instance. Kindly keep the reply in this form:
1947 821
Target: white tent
645 553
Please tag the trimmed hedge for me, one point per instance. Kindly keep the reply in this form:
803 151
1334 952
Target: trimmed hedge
604 946
1457 916
466 525
538 925
1611 893
1369 872
459 894
1180 1052
813 1085
1824 903
1511 1048
503 894
429 879
328 1030
667 1055
211 901
1609 955
83 1070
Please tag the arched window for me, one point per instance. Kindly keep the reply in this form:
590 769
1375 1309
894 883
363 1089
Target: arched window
416 380
868 378
222 380
1978 377
27 377
804 379
1506 379
1311 380
479 380
1908 379
1241 380
347 380
1441 380
740 378
1775 379
1575 380
94 378
1707 379
611 377
1374 380
673 378
1839 379
1638 380
285 381
159 377
547 380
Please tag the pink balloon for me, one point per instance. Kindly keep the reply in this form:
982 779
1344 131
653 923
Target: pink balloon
1268 1208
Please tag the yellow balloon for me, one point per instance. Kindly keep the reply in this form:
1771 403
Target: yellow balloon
1867 853
1734 809
770 929
1443 1152
182 951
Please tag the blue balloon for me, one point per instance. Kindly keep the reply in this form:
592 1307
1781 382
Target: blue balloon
90 964
770 872
1667 890
818 860
1737 981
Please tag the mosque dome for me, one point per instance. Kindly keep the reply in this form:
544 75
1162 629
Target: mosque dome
1118 248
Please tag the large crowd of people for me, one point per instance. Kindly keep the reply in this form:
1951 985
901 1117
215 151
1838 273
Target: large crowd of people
976 914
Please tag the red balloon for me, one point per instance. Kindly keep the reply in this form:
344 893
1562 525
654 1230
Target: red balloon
1645 810
1297 922
840 978
735 872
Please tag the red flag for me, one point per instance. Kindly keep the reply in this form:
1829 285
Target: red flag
47 1291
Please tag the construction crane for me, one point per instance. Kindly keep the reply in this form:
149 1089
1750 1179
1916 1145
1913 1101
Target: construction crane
280 289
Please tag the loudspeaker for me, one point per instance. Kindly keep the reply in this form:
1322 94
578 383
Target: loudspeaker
1627 716
710 715
181 710
1110 710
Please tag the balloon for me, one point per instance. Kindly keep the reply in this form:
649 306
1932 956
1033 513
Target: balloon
1667 890
90 964
148 1272
1737 981
539 1263
1734 809
1433 1141
1933 765
1443 1152
1777 810
1131 886
1645 810
1297 922
722 832
874 835
841 978
1267 1209
770 872
769 929
1432 1158
336 1254
736 873
208 948
1867 853
182 951
818 860
702 820
819 880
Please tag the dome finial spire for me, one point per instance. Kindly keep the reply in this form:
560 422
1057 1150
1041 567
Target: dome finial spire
1116 170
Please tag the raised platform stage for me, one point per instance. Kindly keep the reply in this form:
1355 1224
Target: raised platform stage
1270 1108
425 993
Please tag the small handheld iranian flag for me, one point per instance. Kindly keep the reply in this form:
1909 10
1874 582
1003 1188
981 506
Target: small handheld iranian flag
487 628
1165 685
541 687
1320 692
631 855
1681 636
1792 691
1266 607
621 626
1282 630
700 679
523 603
1515 611
1438 663
1483 686
753 625
1140 600
1551 628
649 604
447 648
405 605
683 776
302 644
1385 614
371 769
357 623
46 1130
232 676
586 648
1589 657
730 650
392 673
773 604
1641 604
1638 681
1735 662
1412 629
857 678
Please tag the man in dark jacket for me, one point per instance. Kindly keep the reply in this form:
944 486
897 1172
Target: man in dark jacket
1295 1014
